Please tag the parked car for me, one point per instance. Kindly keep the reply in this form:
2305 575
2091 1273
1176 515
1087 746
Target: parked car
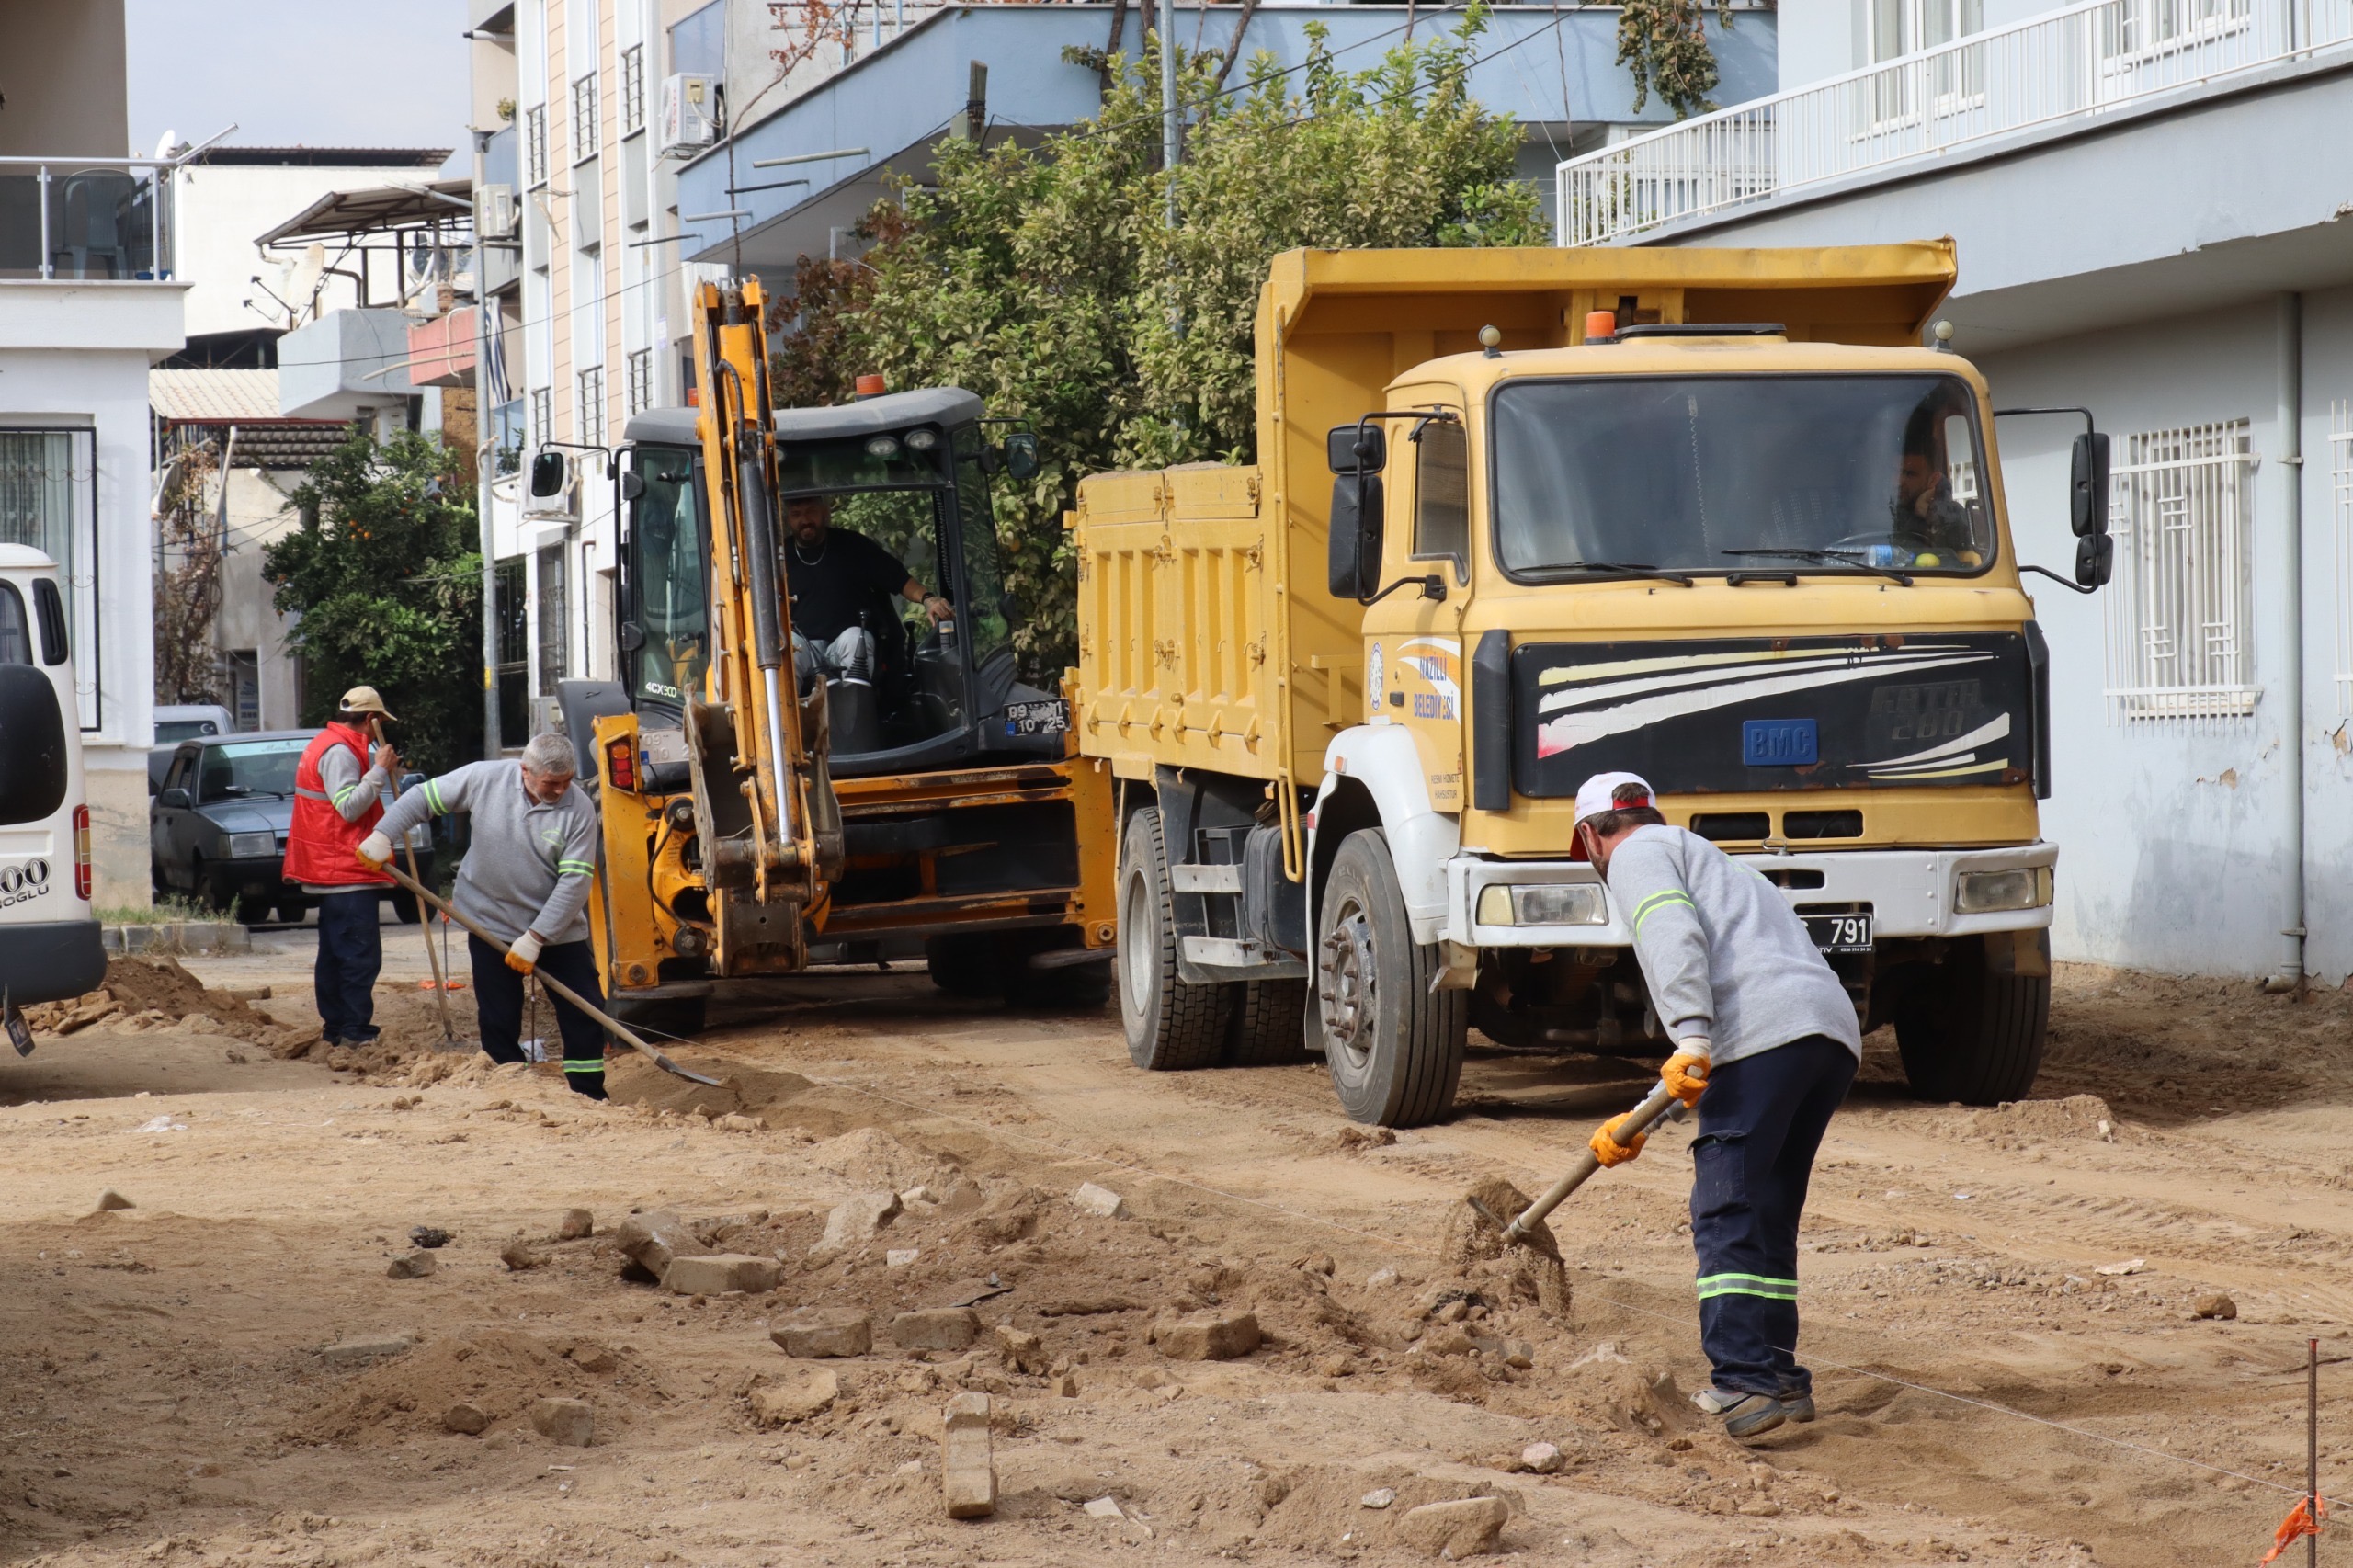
217 827
175 722
50 945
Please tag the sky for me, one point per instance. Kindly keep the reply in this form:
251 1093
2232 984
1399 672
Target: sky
313 72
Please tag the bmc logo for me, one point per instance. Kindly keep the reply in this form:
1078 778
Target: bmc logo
21 884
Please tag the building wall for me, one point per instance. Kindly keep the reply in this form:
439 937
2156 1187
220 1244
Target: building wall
219 209
258 514
66 91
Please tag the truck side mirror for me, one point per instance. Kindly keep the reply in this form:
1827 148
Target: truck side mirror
2087 494
1357 449
2095 560
1354 556
1021 455
548 471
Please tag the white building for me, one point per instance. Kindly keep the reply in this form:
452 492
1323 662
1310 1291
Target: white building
88 302
2149 199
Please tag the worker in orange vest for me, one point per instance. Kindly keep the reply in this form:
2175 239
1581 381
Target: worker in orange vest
340 787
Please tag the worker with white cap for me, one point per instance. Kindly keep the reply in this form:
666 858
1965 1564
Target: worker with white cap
1765 1047
340 787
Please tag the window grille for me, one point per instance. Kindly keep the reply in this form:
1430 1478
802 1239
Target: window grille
640 379
632 89
590 389
514 654
49 488
552 611
2177 612
542 421
535 145
2340 491
585 139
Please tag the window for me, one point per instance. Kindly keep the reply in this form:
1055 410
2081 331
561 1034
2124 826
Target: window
49 490
16 633
2340 490
2178 609
245 687
1906 26
552 610
590 388
2132 30
1442 492
640 379
542 424
668 580
585 139
632 89
535 145
513 656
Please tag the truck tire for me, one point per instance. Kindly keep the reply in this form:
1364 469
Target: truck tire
1968 1034
1266 1029
1171 1026
1394 1045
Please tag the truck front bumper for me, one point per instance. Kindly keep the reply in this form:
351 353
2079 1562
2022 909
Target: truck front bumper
1908 893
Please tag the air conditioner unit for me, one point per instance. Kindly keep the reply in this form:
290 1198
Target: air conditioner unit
689 113
497 215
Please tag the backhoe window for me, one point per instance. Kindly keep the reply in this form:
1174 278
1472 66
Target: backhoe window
895 676
986 618
1814 473
670 576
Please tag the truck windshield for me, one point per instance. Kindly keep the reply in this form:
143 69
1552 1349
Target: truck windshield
1869 474
671 574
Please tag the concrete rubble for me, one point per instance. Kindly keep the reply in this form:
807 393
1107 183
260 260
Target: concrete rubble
967 1465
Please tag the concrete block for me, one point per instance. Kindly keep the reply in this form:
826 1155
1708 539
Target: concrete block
364 1351
655 1240
816 1332
936 1328
1455 1529
720 1272
779 1404
416 1264
1208 1337
967 1464
856 1220
569 1422
1100 1200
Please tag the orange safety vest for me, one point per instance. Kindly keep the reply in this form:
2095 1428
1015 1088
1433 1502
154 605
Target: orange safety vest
321 849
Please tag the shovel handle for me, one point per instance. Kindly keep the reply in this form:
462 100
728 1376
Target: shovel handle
1654 1106
565 992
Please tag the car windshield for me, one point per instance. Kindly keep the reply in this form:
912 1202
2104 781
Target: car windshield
1875 474
242 768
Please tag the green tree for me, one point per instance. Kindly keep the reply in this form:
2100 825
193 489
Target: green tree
1044 277
387 581
1663 44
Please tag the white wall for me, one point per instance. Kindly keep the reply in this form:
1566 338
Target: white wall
258 514
218 213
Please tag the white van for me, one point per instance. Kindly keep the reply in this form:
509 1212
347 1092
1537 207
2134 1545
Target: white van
50 945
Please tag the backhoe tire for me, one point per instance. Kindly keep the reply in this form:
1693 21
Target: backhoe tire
1972 1035
964 965
1171 1026
1266 1029
662 1019
1069 988
1394 1046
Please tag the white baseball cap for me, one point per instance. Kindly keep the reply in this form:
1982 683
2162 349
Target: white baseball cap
1599 793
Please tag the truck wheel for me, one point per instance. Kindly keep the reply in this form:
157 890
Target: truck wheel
1170 1025
1970 1035
963 966
1266 1029
1394 1045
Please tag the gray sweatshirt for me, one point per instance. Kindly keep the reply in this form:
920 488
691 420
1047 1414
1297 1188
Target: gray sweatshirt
1724 954
529 865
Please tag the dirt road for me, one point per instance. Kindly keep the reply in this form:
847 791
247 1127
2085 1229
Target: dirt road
170 1397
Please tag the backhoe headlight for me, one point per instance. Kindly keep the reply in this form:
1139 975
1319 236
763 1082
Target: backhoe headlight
922 440
1544 903
883 449
1988 892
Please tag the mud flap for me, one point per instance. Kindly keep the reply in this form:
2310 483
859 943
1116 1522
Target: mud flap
2025 954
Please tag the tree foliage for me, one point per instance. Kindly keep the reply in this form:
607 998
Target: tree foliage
1663 44
386 576
1045 280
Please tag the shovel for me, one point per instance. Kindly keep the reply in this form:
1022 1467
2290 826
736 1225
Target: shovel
619 1031
1658 1105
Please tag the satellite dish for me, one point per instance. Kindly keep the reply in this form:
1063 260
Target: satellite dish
303 275
168 144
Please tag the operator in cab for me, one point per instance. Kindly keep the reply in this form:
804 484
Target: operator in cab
1924 517
842 585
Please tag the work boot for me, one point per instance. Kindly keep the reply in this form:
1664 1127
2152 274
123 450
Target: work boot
1745 1416
1798 1406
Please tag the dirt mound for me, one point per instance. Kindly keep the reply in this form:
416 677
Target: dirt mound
872 1158
145 992
499 1372
1324 1509
2077 1116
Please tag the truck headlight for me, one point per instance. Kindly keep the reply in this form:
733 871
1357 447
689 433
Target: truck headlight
252 845
1544 904
1986 893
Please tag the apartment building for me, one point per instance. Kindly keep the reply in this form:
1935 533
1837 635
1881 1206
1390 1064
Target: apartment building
2149 200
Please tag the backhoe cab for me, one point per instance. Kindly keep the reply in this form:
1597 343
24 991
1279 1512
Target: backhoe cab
811 611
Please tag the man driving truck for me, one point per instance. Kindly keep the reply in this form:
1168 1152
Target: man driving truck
834 577
1926 518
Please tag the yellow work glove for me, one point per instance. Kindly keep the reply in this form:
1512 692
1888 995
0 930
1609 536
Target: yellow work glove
1686 1073
524 956
1606 1147
374 851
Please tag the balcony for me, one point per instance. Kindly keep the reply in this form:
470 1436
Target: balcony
441 351
2056 74
82 219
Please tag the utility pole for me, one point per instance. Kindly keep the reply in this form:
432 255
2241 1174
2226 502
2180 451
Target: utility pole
486 322
1171 130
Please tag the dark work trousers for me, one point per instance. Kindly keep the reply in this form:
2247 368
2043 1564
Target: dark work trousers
1760 1122
351 954
498 1007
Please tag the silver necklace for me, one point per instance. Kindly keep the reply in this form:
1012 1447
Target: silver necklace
821 550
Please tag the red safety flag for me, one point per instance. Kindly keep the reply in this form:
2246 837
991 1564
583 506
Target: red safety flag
2304 1519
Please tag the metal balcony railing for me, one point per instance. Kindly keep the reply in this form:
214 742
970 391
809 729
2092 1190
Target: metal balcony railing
82 218
2073 65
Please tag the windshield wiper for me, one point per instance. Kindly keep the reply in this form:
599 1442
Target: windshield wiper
1627 568
1831 557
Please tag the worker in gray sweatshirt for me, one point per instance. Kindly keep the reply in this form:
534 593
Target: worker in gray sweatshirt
1766 1046
527 871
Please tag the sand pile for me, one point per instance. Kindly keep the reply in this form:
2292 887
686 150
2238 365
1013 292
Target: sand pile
2016 1123
498 1371
144 992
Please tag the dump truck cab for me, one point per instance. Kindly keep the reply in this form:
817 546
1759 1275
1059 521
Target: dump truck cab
1712 517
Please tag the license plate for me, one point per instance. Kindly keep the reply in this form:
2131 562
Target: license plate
1840 933
1049 718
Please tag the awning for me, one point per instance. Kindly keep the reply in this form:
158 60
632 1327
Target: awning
384 209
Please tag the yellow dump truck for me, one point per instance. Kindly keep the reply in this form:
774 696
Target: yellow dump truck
1714 516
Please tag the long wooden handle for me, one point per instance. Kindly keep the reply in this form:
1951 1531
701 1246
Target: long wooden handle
621 1031
1654 1105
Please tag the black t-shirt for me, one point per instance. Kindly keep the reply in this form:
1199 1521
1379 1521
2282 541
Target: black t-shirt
830 584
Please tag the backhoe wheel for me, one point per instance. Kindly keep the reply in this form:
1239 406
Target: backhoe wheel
1968 1034
664 1020
1394 1045
1265 1030
1170 1025
964 965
